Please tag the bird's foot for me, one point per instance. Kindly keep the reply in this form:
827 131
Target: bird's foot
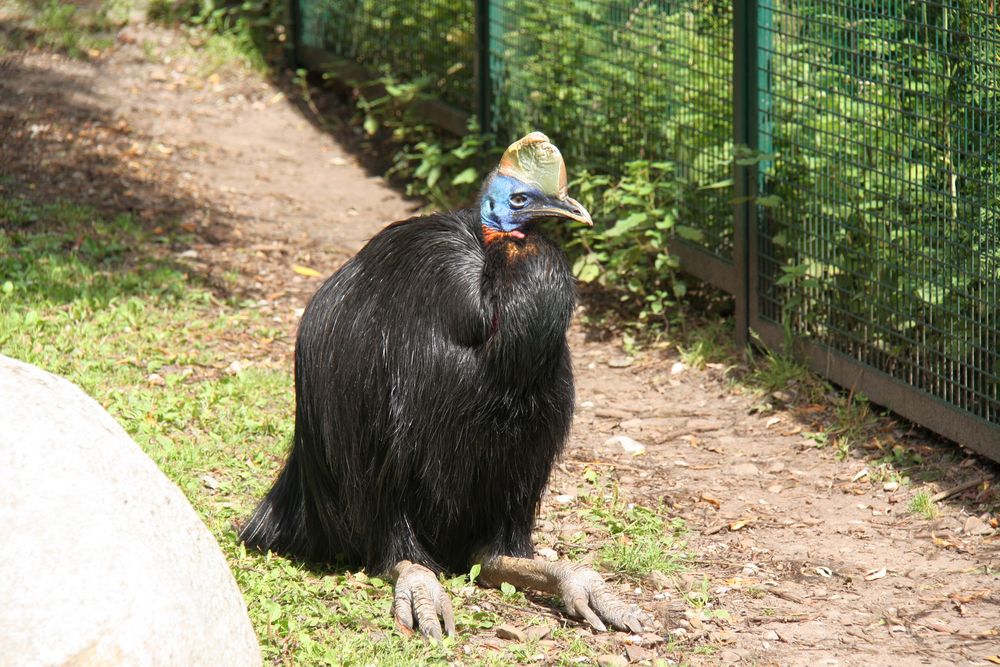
586 595
419 600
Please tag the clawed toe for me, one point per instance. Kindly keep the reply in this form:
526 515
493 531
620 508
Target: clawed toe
420 601
587 596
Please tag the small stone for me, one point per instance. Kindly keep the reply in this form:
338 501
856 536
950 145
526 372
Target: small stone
627 444
890 486
657 580
548 553
976 526
638 653
510 632
609 660
678 368
620 362
210 482
771 636
745 470
537 632
729 658
564 498
155 379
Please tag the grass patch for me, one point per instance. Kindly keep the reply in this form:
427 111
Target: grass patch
922 505
640 540
74 30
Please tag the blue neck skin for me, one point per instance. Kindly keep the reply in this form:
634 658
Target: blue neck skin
496 210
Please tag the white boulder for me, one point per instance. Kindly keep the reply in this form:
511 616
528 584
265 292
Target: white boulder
102 559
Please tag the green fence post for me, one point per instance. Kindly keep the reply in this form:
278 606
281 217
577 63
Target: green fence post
292 23
745 110
482 64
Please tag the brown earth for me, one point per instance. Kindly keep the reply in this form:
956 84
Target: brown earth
807 561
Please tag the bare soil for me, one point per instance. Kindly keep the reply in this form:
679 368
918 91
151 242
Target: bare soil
810 561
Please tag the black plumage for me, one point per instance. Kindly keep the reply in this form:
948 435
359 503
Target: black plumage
434 391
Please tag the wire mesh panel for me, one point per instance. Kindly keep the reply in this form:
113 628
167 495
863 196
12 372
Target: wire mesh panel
409 40
614 82
880 219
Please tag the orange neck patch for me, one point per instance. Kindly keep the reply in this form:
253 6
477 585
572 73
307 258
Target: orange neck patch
491 234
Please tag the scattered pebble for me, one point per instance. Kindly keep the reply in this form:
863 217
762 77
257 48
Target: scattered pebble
627 444
678 368
657 580
745 470
638 653
155 379
609 660
620 362
537 632
976 526
564 498
510 632
729 658
547 553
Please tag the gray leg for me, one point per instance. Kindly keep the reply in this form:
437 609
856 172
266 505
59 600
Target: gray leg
583 591
419 599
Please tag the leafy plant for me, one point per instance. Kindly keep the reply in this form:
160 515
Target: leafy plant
627 251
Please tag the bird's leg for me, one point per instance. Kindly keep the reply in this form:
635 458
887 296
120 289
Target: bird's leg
583 591
419 599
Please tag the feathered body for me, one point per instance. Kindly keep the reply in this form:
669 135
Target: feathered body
434 391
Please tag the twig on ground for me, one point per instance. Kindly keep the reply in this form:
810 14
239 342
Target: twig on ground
947 493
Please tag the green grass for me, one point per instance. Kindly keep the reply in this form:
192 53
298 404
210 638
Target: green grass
922 505
61 26
639 540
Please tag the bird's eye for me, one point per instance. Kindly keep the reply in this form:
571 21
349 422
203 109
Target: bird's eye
518 200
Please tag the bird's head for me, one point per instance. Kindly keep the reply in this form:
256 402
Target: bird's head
528 186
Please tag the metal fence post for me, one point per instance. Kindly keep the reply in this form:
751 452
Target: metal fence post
292 33
482 65
745 110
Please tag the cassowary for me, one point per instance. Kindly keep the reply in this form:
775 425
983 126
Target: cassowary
434 391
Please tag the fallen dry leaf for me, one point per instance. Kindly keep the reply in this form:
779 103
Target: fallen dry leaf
710 500
872 575
306 271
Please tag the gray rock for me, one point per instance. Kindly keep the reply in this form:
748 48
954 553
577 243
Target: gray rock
609 660
104 561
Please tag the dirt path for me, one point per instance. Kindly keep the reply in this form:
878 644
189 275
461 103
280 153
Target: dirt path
804 559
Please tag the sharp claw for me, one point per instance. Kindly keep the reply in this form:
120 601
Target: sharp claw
448 615
593 601
418 601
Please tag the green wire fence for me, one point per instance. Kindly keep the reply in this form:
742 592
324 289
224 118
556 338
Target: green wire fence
839 159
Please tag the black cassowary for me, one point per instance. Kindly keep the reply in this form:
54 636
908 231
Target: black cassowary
434 391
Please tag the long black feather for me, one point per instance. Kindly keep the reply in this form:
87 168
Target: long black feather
434 391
